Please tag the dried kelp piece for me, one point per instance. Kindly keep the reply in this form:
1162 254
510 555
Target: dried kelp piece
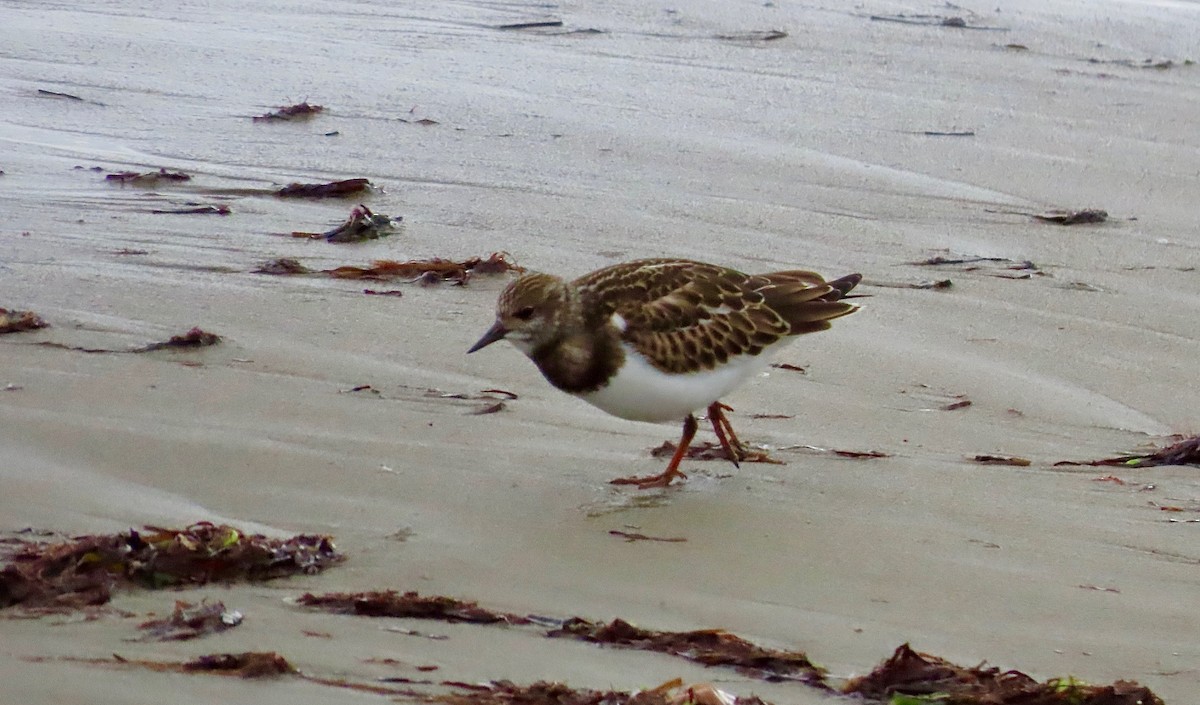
1002 460
86 569
925 678
194 338
250 664
535 24
970 261
361 225
1159 64
427 270
858 454
191 621
926 284
631 537
762 35
149 177
57 94
332 189
17 321
502 394
936 21
391 603
546 693
291 112
195 209
282 266
710 647
1087 215
1183 452
713 451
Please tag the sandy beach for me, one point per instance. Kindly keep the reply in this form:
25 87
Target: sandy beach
851 144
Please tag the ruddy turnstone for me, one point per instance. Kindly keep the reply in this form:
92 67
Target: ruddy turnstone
658 339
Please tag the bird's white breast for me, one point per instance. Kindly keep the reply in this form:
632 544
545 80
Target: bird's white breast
641 392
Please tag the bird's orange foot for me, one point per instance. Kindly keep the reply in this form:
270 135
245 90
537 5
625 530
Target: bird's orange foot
647 482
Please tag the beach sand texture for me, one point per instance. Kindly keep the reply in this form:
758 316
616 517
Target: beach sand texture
671 132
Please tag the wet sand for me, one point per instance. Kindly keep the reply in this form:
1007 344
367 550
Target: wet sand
571 151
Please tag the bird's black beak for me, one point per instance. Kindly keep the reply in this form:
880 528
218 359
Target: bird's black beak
496 332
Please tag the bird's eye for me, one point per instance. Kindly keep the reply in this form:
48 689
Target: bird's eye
525 314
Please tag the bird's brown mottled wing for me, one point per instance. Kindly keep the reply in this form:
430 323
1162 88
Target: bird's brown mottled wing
686 316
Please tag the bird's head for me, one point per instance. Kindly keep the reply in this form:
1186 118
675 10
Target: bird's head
532 312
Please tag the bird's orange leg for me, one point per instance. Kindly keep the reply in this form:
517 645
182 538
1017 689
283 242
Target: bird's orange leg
672 471
733 447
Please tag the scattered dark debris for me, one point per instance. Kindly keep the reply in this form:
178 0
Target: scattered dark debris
1002 460
545 693
482 394
147 177
251 664
1159 64
361 225
360 388
936 21
709 647
489 409
334 133
857 454
789 367
906 678
955 405
926 284
1016 47
938 261
332 189
190 621
1083 286
86 569
630 537
1097 588
244 665
1172 507
1186 451
409 604
860 453
762 35
195 209
772 416
291 112
388 292
713 451
56 94
537 24
936 133
282 266
194 338
17 321
924 678
424 271
1087 215
420 121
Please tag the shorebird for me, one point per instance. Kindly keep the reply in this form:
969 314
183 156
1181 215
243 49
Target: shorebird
659 339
